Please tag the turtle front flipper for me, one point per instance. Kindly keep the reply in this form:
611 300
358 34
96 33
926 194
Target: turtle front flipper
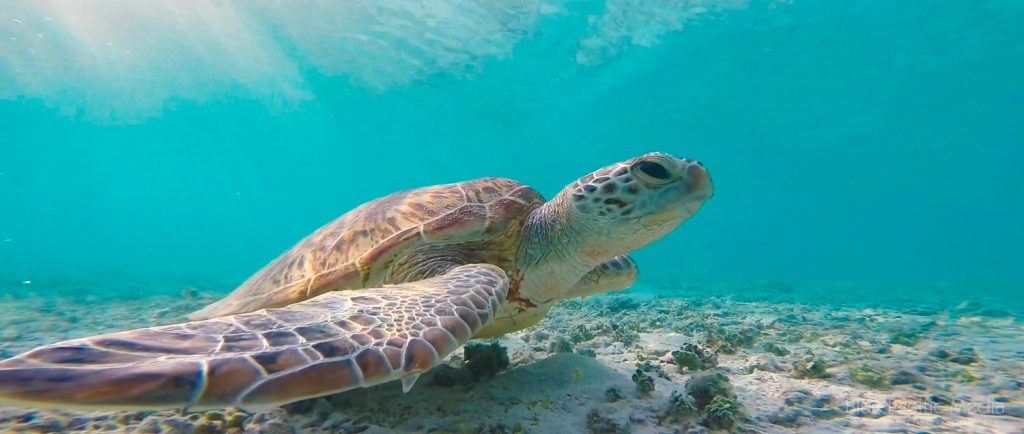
615 274
331 343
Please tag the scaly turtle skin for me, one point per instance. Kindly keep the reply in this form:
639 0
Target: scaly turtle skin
385 292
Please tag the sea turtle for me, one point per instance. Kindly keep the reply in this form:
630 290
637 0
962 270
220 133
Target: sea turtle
383 293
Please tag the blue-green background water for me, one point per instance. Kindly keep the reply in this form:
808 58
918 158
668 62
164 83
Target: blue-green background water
877 143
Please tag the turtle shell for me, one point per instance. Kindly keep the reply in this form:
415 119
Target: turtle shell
358 249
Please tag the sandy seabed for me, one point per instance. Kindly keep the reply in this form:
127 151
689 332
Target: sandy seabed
645 361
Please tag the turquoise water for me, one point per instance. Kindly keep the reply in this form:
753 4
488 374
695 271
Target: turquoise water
871 143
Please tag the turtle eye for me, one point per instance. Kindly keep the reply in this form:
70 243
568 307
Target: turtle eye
653 170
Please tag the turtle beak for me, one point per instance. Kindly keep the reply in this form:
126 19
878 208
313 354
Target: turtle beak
696 181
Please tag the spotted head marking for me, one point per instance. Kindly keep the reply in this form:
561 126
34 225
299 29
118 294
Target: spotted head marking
635 202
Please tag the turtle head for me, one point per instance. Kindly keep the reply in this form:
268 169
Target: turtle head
630 204
610 212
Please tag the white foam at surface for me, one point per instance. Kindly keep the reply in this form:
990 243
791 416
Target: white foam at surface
641 22
109 57
128 59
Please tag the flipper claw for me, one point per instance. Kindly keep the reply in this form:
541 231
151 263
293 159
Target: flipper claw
408 381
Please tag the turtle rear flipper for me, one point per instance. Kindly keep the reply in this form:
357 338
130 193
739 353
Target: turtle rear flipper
331 343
